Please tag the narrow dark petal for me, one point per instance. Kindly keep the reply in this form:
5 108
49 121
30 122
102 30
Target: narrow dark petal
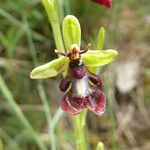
72 105
106 3
95 101
96 80
64 85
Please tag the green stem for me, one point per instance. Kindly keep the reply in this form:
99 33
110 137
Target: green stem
18 112
79 127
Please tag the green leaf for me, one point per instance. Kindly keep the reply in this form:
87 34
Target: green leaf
71 31
98 57
50 69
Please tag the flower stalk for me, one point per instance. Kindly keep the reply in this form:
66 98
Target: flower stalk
79 128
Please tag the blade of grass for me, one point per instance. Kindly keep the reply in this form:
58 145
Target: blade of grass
16 38
111 111
30 42
48 115
12 37
3 40
18 23
56 118
40 87
9 140
18 112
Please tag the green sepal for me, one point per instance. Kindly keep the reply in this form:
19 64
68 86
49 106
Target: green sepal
71 31
97 58
99 46
50 69
101 38
100 146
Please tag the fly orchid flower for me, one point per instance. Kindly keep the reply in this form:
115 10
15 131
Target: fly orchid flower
82 88
106 3
82 94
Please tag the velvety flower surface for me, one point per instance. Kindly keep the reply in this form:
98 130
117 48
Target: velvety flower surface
106 3
84 91
94 101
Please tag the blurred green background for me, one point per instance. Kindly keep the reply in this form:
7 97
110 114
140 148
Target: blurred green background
26 37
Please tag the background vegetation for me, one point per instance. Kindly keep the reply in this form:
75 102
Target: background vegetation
26 37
